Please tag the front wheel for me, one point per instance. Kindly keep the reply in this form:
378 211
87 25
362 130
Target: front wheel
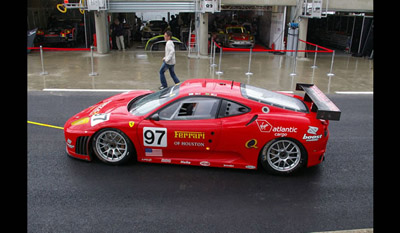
283 156
112 146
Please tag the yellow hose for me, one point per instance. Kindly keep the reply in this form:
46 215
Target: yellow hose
81 9
63 9
59 8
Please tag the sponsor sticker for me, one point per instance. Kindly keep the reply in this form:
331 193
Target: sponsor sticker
312 137
312 130
252 143
69 143
279 131
165 160
196 144
99 118
190 135
98 108
264 126
205 163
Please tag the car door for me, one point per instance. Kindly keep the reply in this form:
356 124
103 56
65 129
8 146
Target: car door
186 129
239 133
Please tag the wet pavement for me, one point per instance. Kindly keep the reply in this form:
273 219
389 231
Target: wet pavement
70 195
139 70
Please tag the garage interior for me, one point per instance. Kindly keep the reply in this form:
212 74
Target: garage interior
346 31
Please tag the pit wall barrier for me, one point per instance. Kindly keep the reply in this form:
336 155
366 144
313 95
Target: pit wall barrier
41 48
59 49
323 49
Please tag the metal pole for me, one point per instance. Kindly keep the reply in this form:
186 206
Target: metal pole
330 72
294 63
91 58
41 59
213 59
361 35
315 58
211 51
295 56
219 72
248 70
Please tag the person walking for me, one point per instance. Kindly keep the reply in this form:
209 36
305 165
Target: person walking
168 61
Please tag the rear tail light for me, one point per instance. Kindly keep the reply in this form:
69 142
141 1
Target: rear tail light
325 124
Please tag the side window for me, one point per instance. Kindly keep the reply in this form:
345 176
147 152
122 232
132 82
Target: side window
230 108
193 108
168 112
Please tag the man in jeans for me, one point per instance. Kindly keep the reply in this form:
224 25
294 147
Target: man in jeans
168 61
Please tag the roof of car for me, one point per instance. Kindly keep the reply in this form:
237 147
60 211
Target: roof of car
210 87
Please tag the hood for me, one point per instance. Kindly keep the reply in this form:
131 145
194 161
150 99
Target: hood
240 36
114 103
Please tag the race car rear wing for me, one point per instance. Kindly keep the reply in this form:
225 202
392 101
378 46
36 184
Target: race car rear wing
321 104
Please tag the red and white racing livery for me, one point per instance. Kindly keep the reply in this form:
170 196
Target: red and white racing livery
205 122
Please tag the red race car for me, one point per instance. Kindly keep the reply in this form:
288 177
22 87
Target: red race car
206 122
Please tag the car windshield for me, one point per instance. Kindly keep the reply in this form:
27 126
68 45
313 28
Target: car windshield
236 30
273 98
153 101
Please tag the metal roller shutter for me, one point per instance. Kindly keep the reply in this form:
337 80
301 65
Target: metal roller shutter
140 6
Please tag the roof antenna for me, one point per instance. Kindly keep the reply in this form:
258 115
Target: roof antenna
232 84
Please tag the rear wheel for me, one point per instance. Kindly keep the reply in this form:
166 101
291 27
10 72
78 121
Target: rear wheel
112 146
283 156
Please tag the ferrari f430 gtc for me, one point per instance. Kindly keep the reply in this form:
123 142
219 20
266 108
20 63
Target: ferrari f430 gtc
205 122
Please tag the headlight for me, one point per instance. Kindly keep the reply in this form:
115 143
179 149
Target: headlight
81 121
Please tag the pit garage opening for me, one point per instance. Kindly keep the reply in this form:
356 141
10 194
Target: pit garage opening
75 28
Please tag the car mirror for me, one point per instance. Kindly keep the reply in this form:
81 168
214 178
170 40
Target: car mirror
155 117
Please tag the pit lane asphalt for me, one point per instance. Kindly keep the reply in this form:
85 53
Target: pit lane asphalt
69 195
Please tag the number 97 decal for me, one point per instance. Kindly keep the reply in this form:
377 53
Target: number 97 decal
156 137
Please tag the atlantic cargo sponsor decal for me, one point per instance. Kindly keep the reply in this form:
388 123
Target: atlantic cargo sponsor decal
280 131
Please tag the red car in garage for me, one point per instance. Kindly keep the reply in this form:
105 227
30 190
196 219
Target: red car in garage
59 31
206 122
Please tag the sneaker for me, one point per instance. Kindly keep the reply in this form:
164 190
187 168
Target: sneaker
162 87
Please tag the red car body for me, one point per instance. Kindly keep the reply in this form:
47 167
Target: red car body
233 131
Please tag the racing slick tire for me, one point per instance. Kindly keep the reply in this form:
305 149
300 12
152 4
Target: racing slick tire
112 146
283 156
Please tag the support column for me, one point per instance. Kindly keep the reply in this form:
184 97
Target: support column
203 37
101 23
303 25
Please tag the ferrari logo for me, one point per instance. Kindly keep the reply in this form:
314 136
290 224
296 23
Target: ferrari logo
131 123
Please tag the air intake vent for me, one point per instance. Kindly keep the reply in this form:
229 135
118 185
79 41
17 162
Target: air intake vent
81 145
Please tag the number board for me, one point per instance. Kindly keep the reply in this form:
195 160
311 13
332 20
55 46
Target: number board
156 137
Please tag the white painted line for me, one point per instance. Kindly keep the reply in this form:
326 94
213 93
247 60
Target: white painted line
355 92
91 90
